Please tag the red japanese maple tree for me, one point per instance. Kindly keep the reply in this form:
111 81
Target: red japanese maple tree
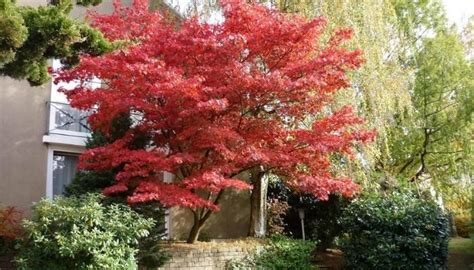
217 100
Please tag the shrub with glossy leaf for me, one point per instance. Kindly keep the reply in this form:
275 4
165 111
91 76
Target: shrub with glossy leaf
150 254
81 233
397 231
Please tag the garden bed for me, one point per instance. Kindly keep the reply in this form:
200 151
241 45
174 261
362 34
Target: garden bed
332 259
6 261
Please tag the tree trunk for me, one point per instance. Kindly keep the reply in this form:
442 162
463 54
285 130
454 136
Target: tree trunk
200 218
453 231
258 204
195 230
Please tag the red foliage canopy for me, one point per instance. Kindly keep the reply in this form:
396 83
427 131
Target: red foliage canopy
217 100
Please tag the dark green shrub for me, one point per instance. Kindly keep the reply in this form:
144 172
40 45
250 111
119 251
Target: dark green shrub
397 231
81 233
87 181
150 253
321 217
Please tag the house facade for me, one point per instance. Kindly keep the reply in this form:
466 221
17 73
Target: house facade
42 136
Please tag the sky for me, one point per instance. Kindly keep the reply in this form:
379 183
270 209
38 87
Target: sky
457 11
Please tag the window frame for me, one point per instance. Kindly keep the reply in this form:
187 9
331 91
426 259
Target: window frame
67 150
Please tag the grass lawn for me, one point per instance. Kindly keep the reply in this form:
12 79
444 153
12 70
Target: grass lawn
461 254
461 245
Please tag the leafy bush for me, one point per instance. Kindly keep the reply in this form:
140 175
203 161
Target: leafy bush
281 253
81 233
398 231
285 253
150 253
10 227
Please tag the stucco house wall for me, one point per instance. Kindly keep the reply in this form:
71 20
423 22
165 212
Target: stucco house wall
23 118
232 221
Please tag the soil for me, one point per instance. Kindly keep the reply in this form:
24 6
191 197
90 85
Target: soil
6 262
331 259
460 261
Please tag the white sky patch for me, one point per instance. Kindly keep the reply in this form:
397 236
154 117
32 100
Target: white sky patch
183 6
459 11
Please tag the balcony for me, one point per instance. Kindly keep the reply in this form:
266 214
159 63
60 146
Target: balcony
66 120
66 125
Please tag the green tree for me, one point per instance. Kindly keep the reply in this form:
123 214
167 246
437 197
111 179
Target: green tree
432 145
416 19
416 73
436 141
30 36
380 87
467 38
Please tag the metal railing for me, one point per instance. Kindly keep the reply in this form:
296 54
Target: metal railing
63 119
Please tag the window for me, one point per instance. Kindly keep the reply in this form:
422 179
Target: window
64 169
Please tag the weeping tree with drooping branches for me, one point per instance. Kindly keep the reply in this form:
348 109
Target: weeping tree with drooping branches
215 101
